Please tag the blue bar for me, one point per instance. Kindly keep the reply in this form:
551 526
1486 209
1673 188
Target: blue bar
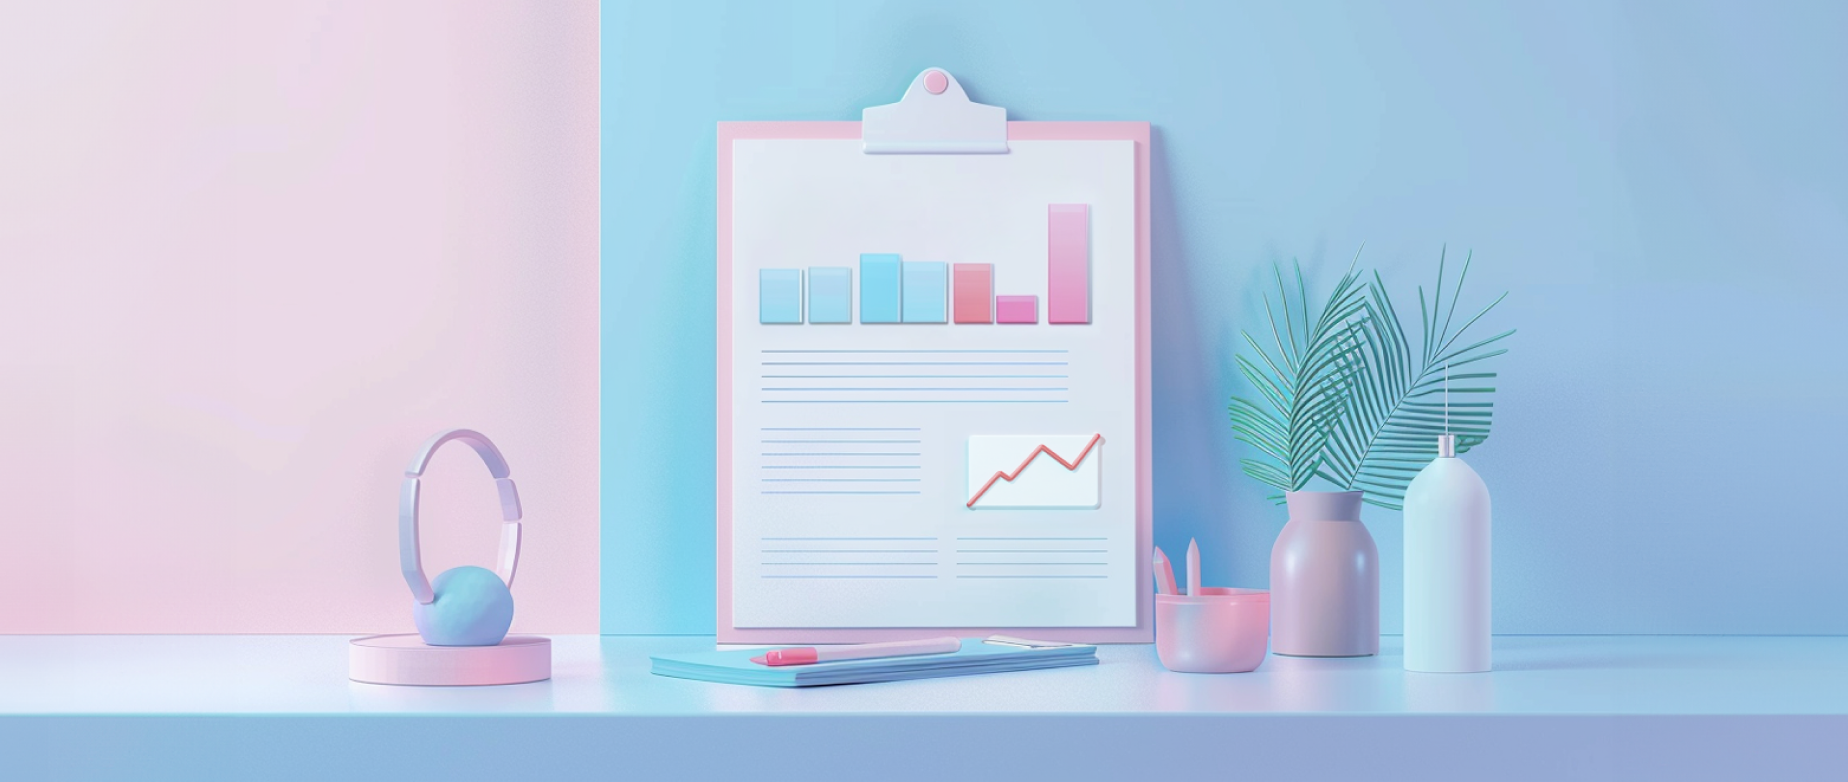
926 289
879 286
830 294
779 295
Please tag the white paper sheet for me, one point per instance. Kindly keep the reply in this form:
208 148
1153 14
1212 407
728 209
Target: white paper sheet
851 443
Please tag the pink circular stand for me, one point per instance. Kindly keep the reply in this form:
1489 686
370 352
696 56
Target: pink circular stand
406 659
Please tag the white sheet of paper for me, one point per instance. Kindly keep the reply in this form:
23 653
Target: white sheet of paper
851 444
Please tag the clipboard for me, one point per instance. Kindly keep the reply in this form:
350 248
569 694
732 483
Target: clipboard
812 332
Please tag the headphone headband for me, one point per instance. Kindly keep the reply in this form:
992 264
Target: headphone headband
497 464
410 551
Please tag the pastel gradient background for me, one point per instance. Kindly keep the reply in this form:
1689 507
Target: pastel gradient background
251 255
1662 186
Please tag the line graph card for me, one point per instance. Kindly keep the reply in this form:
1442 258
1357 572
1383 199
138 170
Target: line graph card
935 458
1035 472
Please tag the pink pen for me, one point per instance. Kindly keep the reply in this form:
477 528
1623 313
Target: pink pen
808 655
1164 574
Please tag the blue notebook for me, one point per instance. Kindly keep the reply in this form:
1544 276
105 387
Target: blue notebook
735 666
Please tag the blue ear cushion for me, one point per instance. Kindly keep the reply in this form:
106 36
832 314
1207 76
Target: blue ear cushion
472 608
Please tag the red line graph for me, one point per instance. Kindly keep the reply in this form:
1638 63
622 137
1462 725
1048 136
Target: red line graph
1071 465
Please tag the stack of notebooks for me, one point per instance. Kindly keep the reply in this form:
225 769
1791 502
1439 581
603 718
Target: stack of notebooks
975 656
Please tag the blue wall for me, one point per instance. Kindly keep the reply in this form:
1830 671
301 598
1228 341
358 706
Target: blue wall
1662 186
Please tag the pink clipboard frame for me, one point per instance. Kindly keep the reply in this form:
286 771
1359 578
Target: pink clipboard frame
1144 630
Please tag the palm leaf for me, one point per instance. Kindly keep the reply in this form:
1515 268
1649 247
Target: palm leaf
1401 402
1303 379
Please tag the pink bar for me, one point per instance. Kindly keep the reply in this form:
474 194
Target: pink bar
972 292
1016 309
1068 259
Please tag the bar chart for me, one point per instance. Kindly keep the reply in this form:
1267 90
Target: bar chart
896 290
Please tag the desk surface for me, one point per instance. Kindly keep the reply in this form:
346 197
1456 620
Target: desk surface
1579 707
1535 675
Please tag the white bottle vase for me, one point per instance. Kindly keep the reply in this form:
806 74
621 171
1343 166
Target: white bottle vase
1447 567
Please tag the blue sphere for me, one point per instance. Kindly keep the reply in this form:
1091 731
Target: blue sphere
472 608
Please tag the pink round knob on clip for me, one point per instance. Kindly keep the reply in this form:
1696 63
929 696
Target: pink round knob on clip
935 82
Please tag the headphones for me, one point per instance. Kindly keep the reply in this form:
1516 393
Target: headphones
468 605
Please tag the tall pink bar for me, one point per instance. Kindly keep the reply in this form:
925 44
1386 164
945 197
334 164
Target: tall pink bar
972 292
1068 263
1016 309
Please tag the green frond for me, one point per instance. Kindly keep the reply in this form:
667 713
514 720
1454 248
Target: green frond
1457 295
1400 405
1462 356
1472 320
1341 395
1305 379
1265 473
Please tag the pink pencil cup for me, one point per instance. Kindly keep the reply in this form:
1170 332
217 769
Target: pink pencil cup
1223 630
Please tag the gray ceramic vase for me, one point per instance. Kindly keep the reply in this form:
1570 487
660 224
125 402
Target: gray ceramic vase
1325 579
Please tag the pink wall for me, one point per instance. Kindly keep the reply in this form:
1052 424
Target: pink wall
251 254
